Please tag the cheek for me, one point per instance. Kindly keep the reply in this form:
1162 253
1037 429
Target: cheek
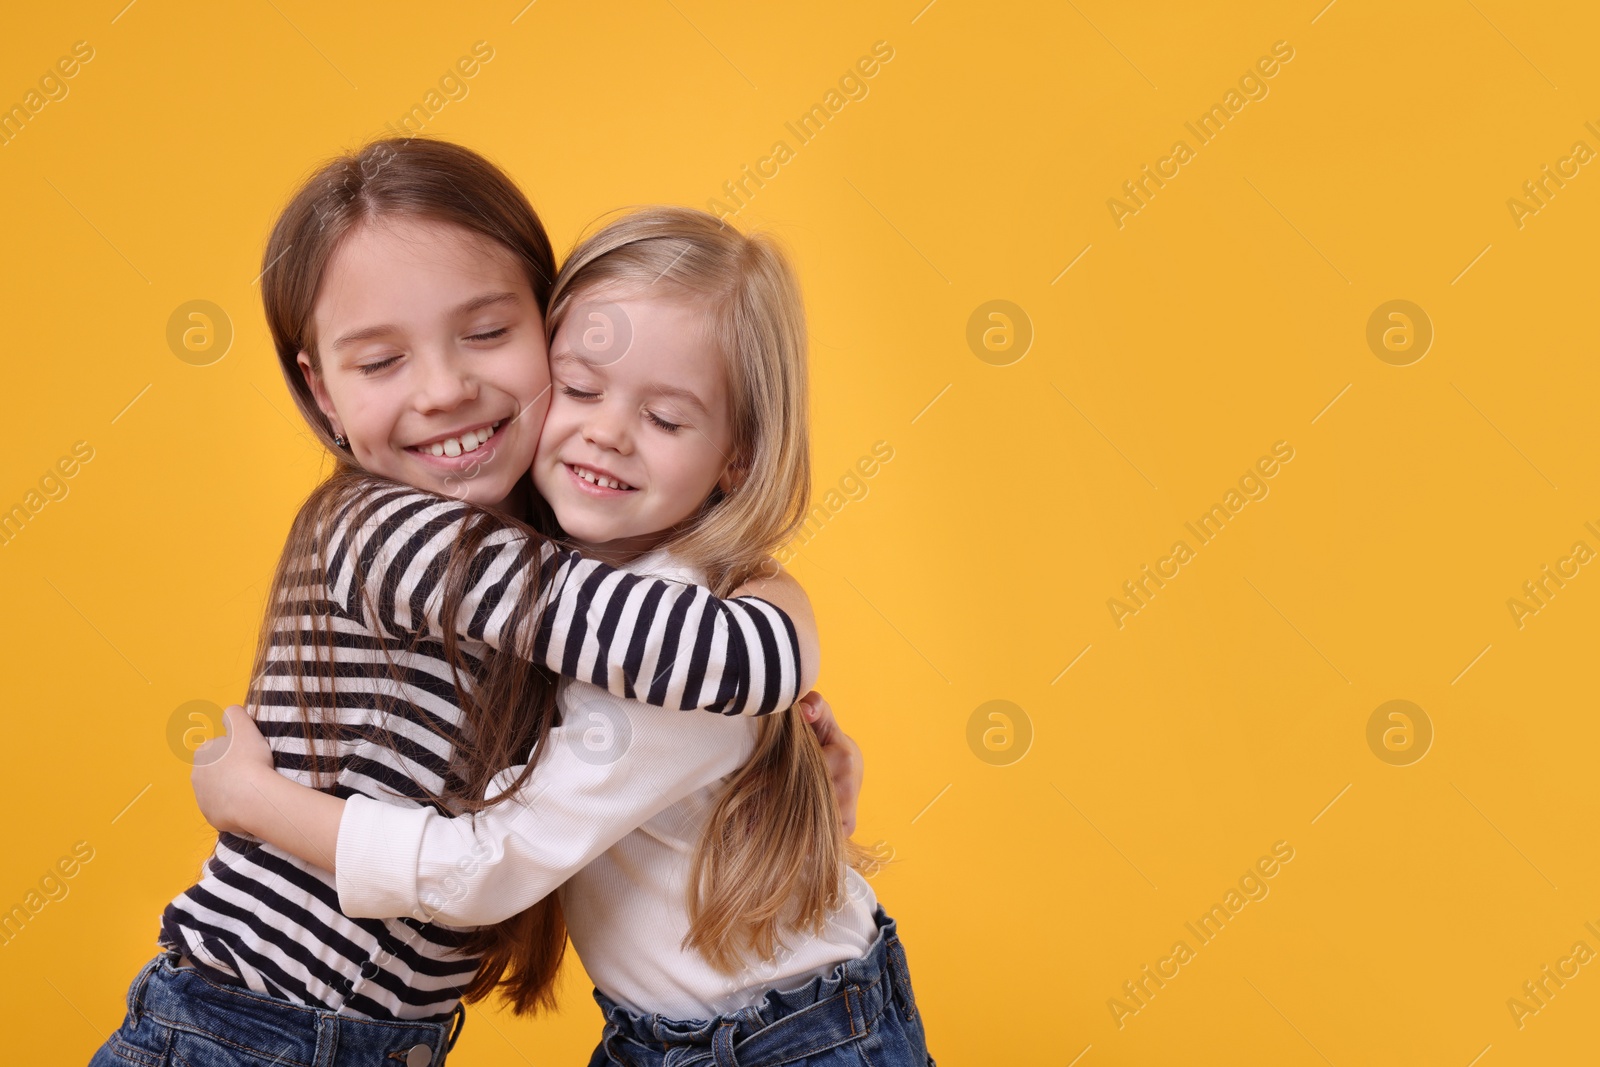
693 465
535 363
524 375
363 408
557 424
538 375
520 370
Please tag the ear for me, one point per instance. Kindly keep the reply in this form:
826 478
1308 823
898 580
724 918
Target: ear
319 392
733 475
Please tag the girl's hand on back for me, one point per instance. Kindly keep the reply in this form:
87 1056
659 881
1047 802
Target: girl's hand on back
225 767
842 755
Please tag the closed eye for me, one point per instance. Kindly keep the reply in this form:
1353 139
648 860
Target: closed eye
378 365
670 427
578 393
491 335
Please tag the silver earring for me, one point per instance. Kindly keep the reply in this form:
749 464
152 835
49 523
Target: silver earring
339 440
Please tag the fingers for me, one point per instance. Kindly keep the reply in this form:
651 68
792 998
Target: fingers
844 776
837 759
840 755
819 714
239 734
213 749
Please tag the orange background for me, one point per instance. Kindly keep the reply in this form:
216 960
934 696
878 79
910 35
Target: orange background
1043 858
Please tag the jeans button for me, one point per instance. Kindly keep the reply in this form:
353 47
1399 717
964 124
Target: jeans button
419 1056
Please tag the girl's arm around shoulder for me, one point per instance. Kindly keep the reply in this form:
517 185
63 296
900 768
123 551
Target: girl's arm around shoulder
408 562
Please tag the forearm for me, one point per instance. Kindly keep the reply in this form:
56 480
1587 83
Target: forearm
301 821
659 641
673 644
462 871
472 870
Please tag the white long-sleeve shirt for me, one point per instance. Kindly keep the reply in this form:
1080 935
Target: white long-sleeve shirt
611 815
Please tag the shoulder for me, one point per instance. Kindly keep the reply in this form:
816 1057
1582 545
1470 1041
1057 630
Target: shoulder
364 509
664 564
368 501
365 524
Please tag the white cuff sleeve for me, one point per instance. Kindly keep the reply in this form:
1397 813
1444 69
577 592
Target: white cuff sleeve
376 858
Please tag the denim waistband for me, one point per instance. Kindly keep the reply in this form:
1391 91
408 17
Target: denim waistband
826 1012
292 1035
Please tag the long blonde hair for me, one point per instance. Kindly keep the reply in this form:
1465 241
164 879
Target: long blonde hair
773 854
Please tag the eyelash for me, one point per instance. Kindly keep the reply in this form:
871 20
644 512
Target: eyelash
374 368
669 427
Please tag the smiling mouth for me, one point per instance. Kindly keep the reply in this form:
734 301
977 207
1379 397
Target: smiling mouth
600 480
469 441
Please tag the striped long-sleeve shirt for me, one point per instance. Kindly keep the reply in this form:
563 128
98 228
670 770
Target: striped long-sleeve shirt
262 918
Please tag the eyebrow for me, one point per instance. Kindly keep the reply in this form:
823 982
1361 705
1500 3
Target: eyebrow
657 389
367 333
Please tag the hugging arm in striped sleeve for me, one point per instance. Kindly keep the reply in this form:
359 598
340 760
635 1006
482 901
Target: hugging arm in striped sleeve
655 640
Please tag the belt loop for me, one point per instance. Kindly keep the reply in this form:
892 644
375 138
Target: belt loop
610 1038
136 990
327 1053
722 1046
901 974
460 1022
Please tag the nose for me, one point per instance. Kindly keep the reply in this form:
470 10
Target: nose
444 382
607 425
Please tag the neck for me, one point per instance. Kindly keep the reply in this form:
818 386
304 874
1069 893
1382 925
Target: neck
622 550
520 501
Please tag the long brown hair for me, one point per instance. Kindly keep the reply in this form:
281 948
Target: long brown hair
773 854
506 704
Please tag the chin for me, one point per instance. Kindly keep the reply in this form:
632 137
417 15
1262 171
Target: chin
479 497
587 534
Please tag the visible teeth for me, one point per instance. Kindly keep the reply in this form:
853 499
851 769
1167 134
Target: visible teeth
590 476
470 441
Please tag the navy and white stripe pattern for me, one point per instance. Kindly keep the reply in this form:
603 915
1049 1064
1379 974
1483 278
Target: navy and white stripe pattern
264 918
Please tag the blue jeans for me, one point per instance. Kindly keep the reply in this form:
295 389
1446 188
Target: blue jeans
861 1013
178 1017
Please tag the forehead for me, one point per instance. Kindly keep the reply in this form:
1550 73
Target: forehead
660 342
388 262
